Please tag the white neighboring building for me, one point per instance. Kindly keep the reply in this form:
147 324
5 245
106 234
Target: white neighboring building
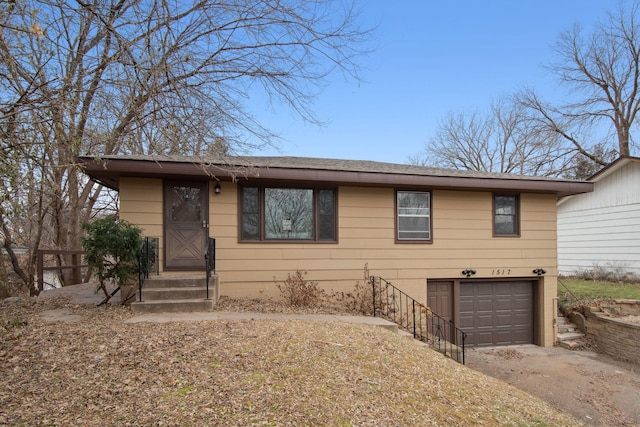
601 230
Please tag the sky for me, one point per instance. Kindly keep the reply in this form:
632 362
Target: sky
431 57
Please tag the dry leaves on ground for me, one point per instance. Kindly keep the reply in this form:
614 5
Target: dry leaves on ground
507 354
101 371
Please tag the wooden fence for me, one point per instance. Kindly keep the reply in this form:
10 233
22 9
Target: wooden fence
76 265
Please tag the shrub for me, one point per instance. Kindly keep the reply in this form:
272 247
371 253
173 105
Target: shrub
299 292
607 273
360 300
112 247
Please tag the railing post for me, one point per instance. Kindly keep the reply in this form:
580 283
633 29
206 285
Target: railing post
464 338
210 260
373 293
75 271
141 257
414 319
40 267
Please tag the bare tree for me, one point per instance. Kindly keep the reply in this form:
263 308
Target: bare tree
503 140
601 72
152 77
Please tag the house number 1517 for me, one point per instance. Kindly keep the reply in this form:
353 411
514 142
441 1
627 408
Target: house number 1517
501 272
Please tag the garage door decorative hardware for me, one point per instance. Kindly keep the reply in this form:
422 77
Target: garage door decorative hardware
396 306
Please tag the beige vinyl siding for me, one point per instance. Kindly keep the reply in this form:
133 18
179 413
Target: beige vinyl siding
462 238
141 204
141 196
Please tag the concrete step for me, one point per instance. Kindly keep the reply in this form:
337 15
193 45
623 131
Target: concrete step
162 294
157 282
172 306
573 344
570 336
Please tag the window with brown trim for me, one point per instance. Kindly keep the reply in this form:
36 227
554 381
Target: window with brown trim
506 215
288 213
413 216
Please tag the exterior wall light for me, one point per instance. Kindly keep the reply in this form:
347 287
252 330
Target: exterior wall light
468 272
217 189
539 271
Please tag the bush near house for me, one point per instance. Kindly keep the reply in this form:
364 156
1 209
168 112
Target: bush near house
112 247
300 292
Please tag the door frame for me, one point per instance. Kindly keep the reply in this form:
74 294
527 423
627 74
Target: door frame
204 209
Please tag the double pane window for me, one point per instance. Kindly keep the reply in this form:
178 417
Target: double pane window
506 215
413 215
275 213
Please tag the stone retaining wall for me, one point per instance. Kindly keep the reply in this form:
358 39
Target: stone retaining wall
622 307
613 336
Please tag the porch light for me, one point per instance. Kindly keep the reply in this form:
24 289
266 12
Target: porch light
539 271
468 272
217 188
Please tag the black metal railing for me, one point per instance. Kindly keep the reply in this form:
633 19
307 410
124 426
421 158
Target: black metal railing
148 261
567 291
210 260
439 333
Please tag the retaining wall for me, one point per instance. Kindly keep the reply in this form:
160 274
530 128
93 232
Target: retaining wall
614 336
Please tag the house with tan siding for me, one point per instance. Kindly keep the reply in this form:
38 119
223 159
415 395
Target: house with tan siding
477 248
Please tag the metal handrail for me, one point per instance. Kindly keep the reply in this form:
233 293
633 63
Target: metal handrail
147 261
210 259
439 333
575 298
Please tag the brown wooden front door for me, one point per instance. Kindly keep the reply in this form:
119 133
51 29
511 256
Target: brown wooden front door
440 301
440 297
186 225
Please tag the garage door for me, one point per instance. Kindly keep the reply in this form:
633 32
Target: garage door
497 313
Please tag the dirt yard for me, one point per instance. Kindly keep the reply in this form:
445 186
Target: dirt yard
594 388
64 364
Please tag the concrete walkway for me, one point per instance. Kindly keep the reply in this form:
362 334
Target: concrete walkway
86 294
221 315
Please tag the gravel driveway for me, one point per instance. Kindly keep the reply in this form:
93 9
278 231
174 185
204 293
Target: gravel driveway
594 388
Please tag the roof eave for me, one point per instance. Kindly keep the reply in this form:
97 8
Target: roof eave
108 172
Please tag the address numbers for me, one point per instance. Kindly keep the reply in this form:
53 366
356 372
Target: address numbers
501 272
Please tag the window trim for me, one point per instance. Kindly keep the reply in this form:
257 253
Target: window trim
516 196
261 213
396 217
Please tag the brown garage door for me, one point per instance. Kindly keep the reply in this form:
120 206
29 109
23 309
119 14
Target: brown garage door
497 313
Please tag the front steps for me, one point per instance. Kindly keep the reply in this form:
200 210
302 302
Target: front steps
176 294
569 336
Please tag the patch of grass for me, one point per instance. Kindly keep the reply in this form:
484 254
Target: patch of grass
181 392
590 289
13 323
